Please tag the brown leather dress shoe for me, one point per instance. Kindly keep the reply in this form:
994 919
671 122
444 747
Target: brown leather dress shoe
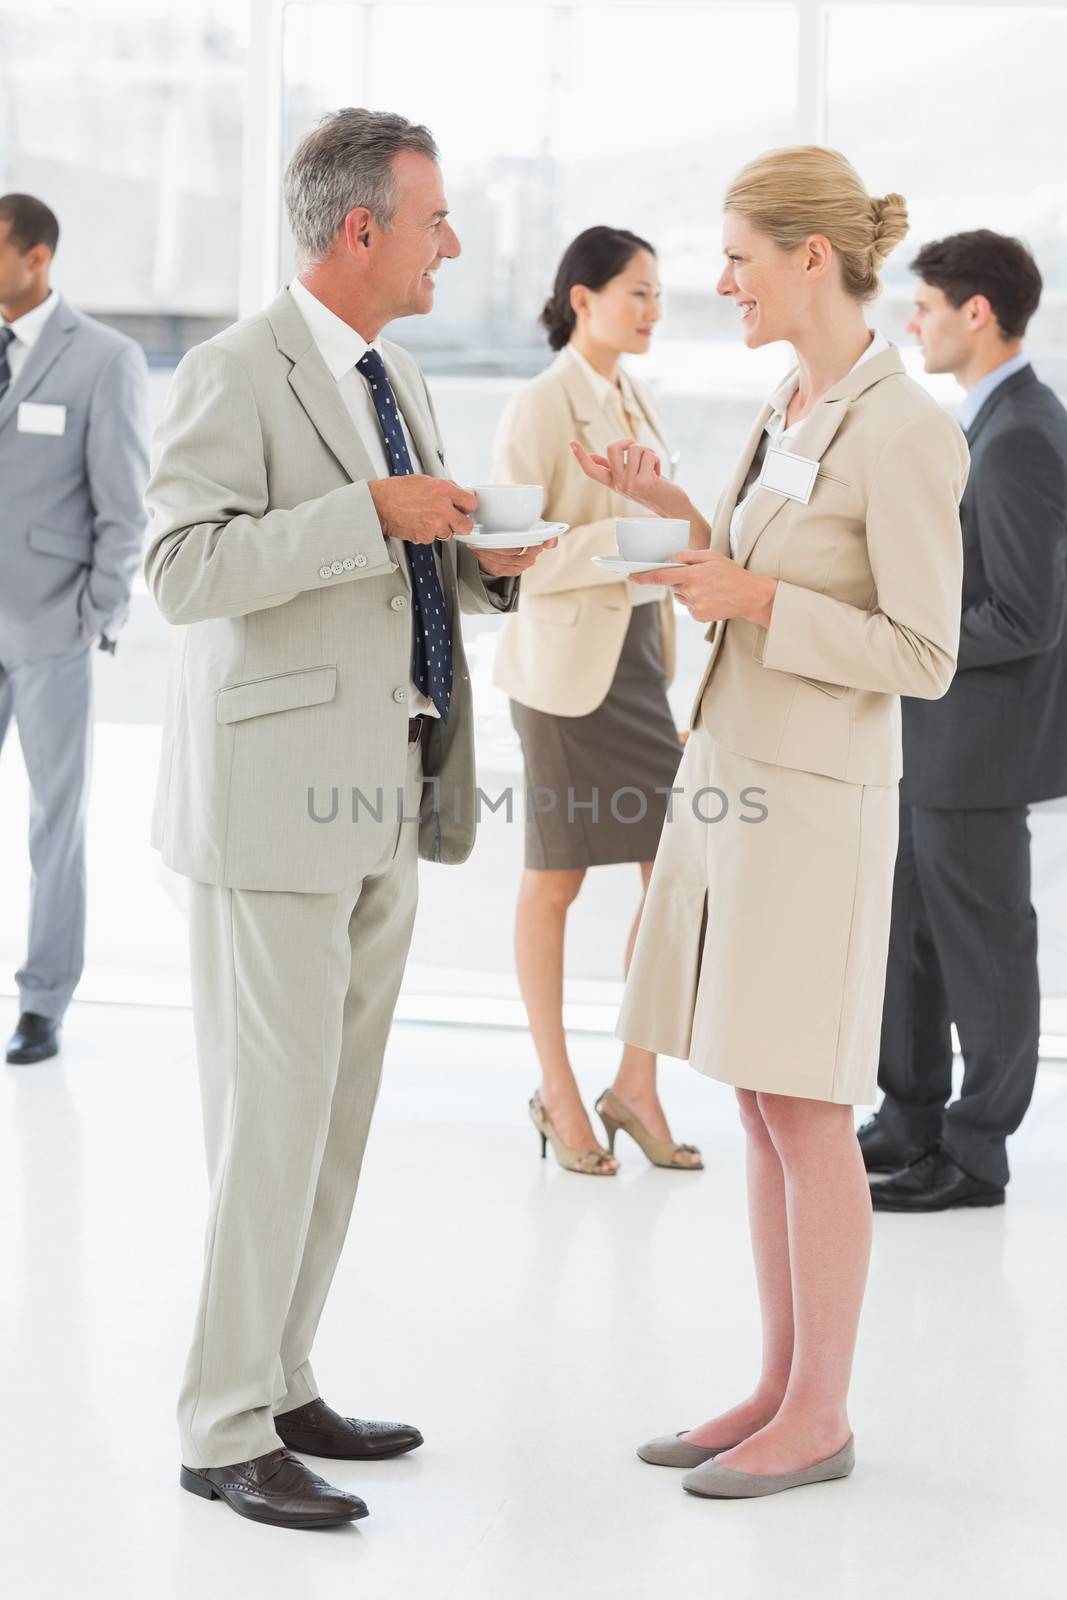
315 1430
275 1488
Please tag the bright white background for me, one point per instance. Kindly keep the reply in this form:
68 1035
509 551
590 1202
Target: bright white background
158 131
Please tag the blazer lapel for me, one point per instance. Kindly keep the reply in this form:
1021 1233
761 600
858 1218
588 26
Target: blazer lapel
1018 380
314 387
54 339
723 514
812 439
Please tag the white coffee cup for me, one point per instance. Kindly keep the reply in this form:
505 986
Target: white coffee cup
650 538
508 507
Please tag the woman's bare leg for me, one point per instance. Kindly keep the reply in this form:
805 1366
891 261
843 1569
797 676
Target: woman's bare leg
828 1205
770 1250
545 897
635 1080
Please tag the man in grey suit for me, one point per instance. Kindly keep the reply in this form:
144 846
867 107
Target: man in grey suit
319 738
963 946
73 464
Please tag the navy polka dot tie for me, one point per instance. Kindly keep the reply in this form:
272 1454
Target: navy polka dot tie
431 668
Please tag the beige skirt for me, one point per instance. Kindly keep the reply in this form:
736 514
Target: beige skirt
762 952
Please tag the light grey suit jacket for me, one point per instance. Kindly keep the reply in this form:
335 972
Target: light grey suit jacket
71 513
289 690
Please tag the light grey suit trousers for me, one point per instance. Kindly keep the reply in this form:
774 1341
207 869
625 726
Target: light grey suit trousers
51 701
293 996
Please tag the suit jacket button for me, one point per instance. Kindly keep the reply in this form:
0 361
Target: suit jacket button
348 564
400 695
361 561
337 567
398 603
325 572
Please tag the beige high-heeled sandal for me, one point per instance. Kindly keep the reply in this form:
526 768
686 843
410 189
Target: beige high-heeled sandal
590 1163
661 1152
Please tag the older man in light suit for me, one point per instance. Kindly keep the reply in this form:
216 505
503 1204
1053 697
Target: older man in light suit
73 464
302 519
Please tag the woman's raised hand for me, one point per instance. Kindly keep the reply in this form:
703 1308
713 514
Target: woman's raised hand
633 470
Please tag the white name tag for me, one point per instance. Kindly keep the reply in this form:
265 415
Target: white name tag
793 476
38 418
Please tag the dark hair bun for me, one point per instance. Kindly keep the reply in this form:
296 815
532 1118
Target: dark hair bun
558 319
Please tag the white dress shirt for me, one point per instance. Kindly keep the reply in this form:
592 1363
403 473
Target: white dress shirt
27 330
777 434
341 347
619 399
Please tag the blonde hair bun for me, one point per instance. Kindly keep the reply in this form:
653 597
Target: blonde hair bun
805 189
890 213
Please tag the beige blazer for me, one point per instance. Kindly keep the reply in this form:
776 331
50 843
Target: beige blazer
869 573
559 652
290 678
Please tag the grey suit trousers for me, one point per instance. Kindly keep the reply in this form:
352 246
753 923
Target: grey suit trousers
963 949
51 700
293 997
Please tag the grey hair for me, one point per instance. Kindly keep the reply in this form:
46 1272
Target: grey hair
347 161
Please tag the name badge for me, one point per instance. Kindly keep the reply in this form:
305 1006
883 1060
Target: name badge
792 476
35 417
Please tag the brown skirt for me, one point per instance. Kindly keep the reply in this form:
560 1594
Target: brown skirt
592 782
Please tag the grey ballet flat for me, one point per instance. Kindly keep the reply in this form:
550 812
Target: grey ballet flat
673 1451
726 1483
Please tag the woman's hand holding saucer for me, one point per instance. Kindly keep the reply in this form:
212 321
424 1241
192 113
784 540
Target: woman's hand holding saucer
713 588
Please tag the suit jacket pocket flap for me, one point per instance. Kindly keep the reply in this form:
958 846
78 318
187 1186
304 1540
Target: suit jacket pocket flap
285 691
53 543
834 689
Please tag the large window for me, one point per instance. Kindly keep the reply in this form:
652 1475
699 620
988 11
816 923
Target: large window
158 129
549 119
125 117
962 109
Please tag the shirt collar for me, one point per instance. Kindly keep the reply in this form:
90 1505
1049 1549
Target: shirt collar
779 400
339 345
979 393
603 388
29 327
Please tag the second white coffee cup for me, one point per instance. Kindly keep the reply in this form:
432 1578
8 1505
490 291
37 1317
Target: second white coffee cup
650 538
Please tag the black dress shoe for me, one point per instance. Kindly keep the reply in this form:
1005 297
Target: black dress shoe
881 1152
34 1039
315 1430
275 1488
934 1183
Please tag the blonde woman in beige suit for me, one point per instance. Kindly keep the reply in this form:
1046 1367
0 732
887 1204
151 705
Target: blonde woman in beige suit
586 661
831 575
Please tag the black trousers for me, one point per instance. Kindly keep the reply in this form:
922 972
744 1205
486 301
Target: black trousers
963 949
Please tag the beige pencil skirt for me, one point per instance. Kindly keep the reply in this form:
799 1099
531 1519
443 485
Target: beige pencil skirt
762 951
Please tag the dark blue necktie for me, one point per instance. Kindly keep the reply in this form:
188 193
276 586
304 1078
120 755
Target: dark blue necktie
431 669
7 336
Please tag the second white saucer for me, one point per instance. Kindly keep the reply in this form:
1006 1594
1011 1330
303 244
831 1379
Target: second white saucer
537 534
623 568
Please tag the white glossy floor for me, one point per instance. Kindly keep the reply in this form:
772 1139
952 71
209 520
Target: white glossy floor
536 1326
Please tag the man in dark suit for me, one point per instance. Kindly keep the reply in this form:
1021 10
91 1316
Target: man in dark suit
963 946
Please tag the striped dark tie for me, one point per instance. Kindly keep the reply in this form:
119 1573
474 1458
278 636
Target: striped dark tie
7 335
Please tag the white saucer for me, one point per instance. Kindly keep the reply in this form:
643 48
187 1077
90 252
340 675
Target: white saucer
623 568
537 534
